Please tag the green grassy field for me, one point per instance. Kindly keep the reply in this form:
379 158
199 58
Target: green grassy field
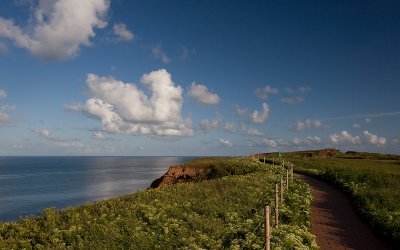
223 210
372 182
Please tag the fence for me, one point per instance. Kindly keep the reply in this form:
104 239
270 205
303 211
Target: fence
279 192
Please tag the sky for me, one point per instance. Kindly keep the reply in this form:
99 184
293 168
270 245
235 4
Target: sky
198 77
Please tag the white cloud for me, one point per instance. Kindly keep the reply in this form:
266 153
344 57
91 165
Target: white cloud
374 139
58 28
2 94
356 125
230 127
309 140
208 125
125 108
158 53
313 139
269 142
254 132
141 147
292 100
225 143
296 141
5 109
76 146
263 93
260 117
368 120
299 90
344 137
308 124
122 33
240 111
97 135
44 133
202 95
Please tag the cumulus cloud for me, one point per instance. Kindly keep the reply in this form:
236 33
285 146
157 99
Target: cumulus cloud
308 124
260 116
158 53
122 33
202 95
230 127
208 125
225 143
356 125
344 137
97 135
254 132
292 100
125 108
58 28
368 120
263 93
240 111
374 139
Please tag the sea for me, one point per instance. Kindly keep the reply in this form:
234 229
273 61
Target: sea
30 184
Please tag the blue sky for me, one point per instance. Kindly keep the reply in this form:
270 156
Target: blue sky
198 77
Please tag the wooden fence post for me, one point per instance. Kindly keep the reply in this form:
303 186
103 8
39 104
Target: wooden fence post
276 205
281 189
291 170
264 159
287 179
267 229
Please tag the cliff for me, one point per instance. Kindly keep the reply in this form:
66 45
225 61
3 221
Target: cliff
178 174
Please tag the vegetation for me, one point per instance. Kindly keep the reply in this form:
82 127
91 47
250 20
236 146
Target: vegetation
371 180
224 212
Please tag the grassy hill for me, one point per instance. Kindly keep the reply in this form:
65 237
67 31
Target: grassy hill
223 209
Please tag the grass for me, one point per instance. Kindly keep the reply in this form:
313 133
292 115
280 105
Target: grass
373 185
221 211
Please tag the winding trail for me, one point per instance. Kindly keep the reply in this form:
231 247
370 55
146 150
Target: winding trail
334 221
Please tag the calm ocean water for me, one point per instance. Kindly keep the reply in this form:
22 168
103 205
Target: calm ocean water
30 184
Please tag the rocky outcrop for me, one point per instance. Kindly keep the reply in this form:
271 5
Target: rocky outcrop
178 174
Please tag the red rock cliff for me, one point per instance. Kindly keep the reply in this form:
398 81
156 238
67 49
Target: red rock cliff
177 174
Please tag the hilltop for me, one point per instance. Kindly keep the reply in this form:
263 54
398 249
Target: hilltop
332 153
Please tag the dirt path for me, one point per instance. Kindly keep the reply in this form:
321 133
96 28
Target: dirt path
335 222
